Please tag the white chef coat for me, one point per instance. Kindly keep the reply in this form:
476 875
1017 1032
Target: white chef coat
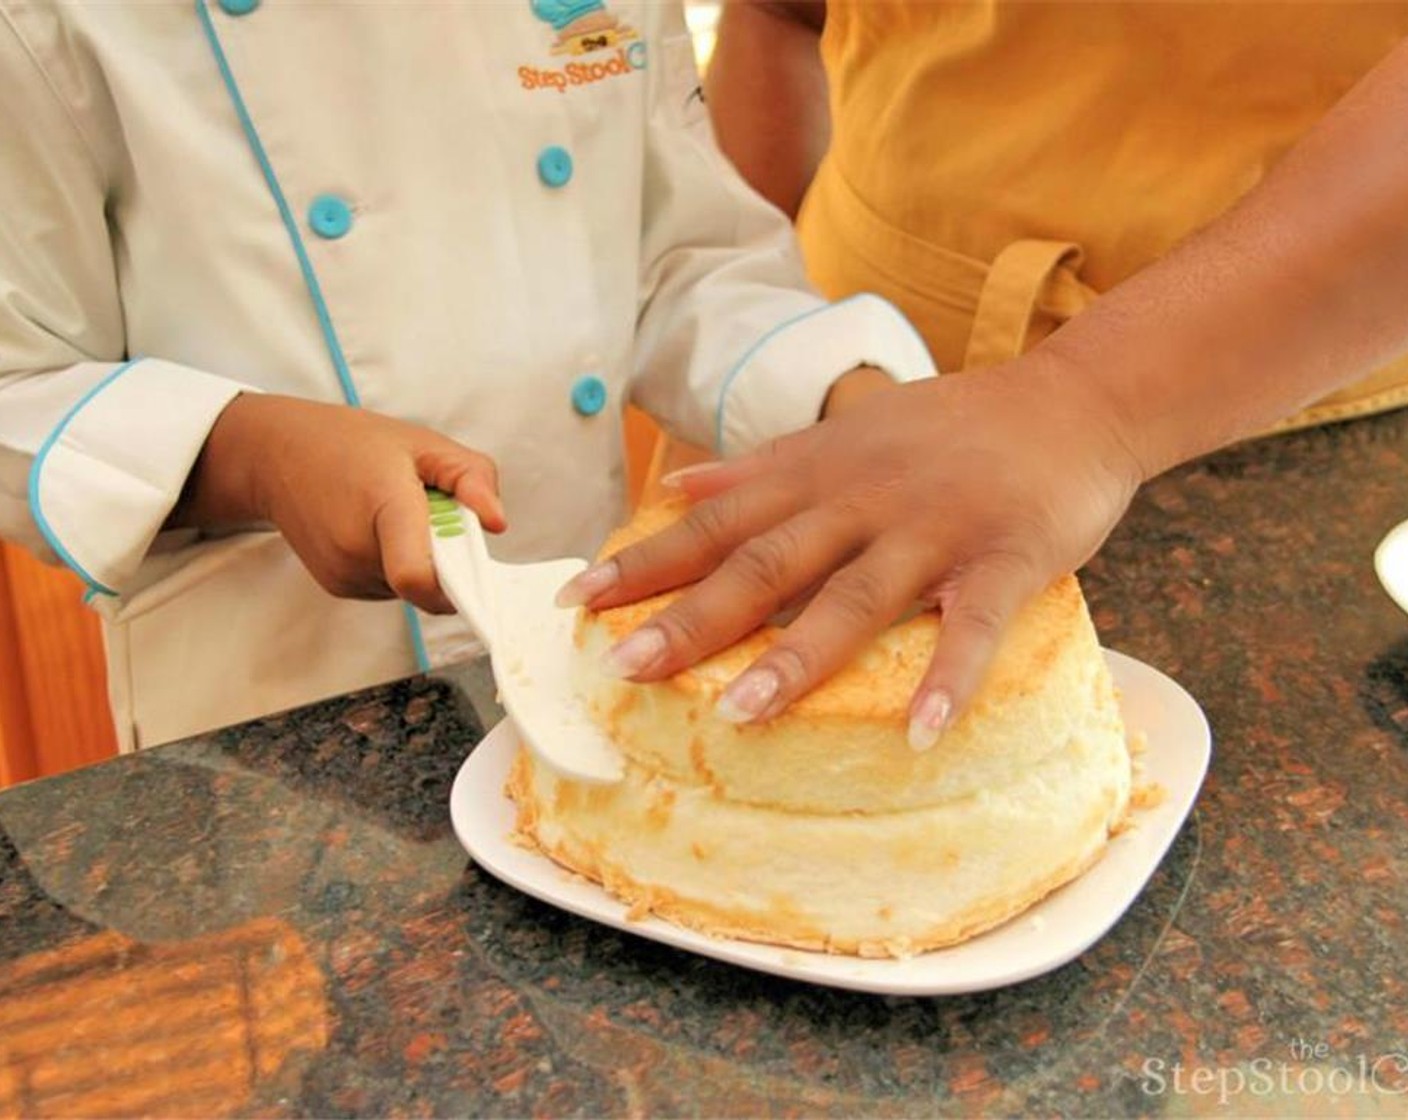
452 213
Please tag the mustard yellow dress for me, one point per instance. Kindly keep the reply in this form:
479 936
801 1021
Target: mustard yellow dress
995 165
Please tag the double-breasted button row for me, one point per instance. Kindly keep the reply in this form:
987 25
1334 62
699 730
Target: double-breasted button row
555 171
330 217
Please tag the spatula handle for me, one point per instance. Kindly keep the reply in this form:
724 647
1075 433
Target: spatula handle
462 563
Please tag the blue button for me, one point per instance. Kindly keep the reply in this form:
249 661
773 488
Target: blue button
555 166
589 395
238 7
329 216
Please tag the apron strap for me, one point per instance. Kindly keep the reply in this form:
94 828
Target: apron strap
1016 281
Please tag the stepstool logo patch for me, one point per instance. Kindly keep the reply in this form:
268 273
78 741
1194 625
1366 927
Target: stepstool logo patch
584 27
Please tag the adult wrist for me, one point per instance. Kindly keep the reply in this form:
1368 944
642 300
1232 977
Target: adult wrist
1060 373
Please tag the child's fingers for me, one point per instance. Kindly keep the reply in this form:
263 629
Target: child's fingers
402 531
472 478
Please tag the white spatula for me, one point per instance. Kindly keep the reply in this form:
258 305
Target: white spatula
510 607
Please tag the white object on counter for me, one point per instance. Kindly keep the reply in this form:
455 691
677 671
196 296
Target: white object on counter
1051 933
1391 562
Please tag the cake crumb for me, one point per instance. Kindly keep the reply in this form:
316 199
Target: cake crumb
519 840
639 911
1148 796
1137 742
898 948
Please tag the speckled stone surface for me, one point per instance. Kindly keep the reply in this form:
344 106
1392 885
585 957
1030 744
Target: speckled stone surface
277 920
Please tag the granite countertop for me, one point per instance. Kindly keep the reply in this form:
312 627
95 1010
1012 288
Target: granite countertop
276 919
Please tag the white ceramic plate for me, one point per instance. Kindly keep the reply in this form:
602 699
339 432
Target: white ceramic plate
1391 562
1055 931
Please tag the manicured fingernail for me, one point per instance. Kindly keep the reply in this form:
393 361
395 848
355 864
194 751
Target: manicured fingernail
587 585
748 696
675 479
636 652
928 719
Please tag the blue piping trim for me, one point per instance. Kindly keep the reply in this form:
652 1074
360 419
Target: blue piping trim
417 638
752 350
310 278
37 468
305 265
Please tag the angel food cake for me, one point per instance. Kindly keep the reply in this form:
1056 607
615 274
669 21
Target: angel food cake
822 829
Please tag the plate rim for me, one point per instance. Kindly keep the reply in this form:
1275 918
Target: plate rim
1396 538
547 881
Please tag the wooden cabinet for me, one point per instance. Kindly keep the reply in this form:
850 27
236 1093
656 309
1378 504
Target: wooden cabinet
53 684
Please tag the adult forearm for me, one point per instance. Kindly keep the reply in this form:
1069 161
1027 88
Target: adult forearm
1301 287
767 95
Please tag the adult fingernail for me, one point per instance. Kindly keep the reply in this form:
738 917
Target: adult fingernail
587 585
636 652
675 479
928 719
748 696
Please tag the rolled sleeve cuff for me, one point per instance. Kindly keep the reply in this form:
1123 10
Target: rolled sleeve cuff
107 476
781 383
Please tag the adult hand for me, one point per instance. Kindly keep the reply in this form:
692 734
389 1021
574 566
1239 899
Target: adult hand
346 487
970 492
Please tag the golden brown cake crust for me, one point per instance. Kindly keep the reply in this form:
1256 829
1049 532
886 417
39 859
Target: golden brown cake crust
822 829
785 926
867 690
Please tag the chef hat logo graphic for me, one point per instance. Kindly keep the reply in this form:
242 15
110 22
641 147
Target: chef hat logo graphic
581 26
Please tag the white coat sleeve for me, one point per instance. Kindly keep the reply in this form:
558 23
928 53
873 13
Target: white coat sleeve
733 346
94 448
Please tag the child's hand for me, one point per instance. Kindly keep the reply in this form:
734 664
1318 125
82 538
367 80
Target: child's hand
346 487
854 386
